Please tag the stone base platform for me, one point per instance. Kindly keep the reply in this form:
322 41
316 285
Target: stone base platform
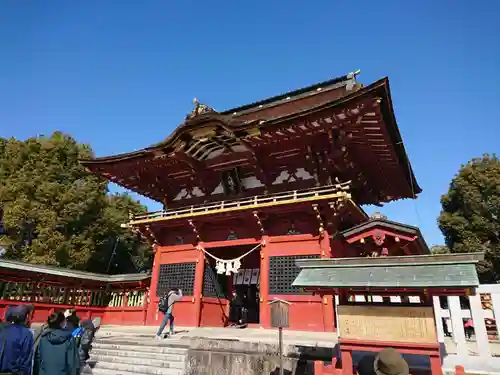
267 336
322 345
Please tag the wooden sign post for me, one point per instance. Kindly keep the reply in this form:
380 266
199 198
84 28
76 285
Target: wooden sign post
279 319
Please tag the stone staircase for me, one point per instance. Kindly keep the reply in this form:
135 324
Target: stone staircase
132 350
122 356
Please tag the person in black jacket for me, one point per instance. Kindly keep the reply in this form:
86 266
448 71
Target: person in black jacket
72 320
87 336
235 309
57 352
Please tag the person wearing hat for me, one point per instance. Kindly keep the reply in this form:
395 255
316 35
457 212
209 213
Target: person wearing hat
17 342
20 313
387 362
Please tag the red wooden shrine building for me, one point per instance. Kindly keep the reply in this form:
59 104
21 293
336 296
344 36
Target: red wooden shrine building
248 191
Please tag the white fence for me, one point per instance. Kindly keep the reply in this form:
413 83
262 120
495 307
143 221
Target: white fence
482 308
452 312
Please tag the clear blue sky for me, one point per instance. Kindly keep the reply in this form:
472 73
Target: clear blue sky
121 75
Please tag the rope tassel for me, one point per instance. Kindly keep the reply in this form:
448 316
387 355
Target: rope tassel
228 266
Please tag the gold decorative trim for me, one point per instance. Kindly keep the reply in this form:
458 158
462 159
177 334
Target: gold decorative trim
251 203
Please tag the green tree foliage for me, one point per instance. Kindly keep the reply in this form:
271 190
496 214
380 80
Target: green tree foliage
123 250
56 213
471 212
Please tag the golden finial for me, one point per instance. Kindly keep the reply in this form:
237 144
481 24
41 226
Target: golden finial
195 101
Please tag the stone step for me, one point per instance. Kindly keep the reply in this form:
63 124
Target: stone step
130 353
95 357
161 347
104 371
144 340
291 338
123 368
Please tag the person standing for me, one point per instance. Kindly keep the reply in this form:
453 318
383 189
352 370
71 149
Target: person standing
17 342
235 307
57 352
72 320
86 337
166 306
469 328
446 331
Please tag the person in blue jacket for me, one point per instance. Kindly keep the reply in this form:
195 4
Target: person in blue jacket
16 342
57 352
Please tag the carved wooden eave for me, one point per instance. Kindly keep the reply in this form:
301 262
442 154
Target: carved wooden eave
353 137
258 162
379 234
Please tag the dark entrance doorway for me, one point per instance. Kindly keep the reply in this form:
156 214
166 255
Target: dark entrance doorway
245 283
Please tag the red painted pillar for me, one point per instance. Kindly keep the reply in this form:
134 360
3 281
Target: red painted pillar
324 244
436 368
347 365
265 319
145 304
319 367
327 300
151 314
198 285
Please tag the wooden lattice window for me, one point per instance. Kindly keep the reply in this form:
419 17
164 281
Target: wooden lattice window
211 284
176 275
283 272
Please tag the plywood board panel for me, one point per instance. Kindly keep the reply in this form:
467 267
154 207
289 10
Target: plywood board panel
387 323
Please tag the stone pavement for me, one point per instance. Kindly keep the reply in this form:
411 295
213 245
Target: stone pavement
144 335
267 336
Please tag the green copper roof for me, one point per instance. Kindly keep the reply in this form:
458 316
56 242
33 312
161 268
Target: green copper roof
64 272
389 274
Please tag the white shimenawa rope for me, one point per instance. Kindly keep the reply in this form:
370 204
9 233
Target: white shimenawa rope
228 266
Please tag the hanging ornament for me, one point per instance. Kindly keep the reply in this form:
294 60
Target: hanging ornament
220 267
236 266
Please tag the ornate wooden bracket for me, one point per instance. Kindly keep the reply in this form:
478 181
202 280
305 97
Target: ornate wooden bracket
148 234
311 165
221 143
195 230
321 224
337 207
196 168
259 221
378 238
259 165
159 186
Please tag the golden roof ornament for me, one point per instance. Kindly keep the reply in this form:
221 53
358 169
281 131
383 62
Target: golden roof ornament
351 80
199 109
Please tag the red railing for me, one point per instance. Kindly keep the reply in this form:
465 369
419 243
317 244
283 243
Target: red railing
120 309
